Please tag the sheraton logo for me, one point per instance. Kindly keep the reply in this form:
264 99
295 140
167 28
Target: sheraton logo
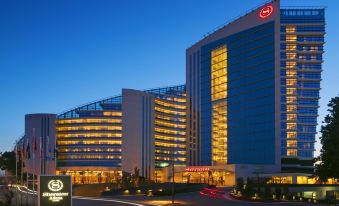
266 11
55 185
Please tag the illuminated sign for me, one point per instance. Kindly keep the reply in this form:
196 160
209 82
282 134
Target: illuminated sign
55 190
197 169
55 185
266 11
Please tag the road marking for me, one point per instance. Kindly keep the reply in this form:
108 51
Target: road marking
31 192
107 200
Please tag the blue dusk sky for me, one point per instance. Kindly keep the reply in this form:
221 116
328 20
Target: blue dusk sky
58 54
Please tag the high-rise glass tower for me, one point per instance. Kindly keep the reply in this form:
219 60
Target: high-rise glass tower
253 90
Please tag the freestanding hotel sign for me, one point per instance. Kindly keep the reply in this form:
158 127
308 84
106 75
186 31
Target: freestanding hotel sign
55 190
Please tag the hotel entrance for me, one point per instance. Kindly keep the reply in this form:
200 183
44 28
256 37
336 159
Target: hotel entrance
213 175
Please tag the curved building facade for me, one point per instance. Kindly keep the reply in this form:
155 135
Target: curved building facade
89 142
154 130
170 126
90 137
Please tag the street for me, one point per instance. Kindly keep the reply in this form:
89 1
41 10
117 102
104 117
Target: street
204 198
194 198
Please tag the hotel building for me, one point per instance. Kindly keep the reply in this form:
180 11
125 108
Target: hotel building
249 108
154 130
253 90
89 141
138 129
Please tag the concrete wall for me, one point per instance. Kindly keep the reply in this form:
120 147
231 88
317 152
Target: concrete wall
138 132
40 142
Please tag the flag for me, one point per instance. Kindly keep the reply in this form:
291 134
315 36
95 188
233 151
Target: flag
23 150
16 152
34 144
41 148
28 152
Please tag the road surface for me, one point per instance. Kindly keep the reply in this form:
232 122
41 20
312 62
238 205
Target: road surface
203 198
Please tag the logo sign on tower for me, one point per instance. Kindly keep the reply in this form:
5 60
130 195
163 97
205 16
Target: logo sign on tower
266 11
55 190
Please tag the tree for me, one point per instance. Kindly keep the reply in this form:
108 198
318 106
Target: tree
7 161
329 166
136 177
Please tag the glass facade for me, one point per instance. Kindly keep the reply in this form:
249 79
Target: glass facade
302 40
233 78
238 98
89 142
89 137
219 105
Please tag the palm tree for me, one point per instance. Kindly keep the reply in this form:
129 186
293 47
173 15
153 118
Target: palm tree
136 177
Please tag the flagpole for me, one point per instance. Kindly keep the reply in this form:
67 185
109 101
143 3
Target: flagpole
22 171
16 171
27 160
41 162
22 161
33 170
16 162
47 153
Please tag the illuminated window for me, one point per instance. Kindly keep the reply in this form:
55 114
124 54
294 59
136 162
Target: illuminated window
168 145
169 111
291 126
89 142
291 38
290 64
85 156
95 135
291 135
115 113
291 82
169 131
291 47
291 117
169 104
302 180
290 29
291 100
87 120
292 143
77 128
291 108
291 55
292 152
218 96
291 73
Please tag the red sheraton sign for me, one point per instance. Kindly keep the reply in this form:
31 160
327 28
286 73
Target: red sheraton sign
197 169
266 11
